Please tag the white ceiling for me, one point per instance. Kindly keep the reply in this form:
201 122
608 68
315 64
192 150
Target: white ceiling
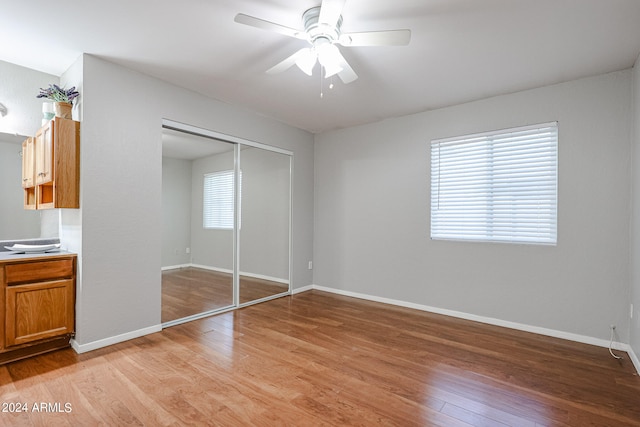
182 145
461 50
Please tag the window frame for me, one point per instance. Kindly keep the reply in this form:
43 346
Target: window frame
221 211
479 173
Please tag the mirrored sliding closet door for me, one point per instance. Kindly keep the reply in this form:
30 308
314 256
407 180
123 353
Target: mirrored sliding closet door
226 223
264 224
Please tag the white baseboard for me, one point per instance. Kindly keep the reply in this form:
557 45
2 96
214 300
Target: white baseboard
263 277
83 348
208 267
489 320
303 289
242 273
634 358
174 267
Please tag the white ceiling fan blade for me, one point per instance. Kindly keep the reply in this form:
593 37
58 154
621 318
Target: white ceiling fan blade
252 21
376 38
330 11
289 61
347 75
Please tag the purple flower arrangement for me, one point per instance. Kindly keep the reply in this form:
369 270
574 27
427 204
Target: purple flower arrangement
58 94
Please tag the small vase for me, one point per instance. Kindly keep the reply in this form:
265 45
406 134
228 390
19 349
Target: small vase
63 109
47 110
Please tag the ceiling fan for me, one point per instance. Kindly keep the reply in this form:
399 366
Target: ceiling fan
322 29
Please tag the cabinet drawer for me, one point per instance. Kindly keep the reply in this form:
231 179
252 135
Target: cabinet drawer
38 271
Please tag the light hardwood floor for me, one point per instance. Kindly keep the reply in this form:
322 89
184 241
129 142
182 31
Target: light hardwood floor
188 291
317 359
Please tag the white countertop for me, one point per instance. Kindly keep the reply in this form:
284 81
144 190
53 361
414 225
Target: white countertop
13 256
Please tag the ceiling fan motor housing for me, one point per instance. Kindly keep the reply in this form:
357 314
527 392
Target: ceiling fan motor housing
315 29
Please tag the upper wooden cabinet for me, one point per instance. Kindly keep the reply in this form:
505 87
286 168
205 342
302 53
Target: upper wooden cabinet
44 152
29 172
55 166
28 163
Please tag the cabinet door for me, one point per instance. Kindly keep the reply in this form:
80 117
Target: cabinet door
28 163
39 310
29 173
44 153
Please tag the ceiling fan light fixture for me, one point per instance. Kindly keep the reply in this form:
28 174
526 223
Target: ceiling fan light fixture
331 70
307 61
328 56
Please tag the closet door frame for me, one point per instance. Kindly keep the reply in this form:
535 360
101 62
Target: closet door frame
238 143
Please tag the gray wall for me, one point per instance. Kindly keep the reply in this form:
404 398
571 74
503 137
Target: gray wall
120 219
176 211
372 213
264 233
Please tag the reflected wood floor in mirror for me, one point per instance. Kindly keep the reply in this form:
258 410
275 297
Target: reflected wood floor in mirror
188 291
318 359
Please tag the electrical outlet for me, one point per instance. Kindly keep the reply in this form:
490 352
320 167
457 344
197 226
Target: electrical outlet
187 251
310 265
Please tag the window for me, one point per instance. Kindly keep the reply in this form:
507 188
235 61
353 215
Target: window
496 186
218 200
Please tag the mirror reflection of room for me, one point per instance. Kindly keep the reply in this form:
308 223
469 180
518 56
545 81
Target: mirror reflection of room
264 227
15 221
198 186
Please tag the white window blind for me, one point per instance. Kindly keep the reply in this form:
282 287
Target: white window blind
496 186
218 200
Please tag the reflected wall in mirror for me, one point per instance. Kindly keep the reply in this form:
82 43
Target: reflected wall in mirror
209 263
16 223
264 228
197 263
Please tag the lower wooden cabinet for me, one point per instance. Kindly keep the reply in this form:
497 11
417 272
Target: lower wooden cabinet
38 305
38 310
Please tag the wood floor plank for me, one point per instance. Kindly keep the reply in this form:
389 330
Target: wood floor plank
318 359
189 290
